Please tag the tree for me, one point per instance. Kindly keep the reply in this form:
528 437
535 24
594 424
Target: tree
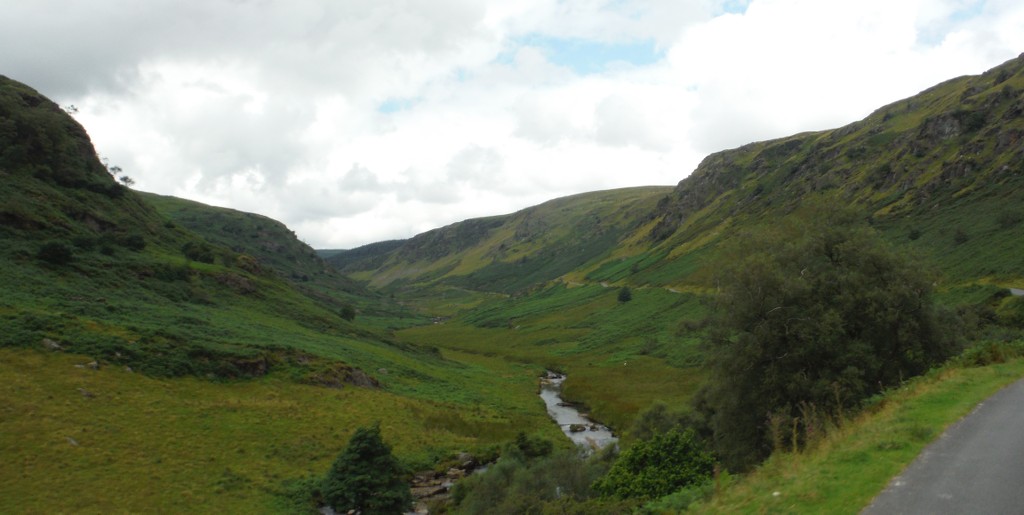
625 295
659 466
127 181
811 319
366 477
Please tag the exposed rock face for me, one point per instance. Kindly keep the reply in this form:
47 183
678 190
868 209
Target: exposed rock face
968 128
338 375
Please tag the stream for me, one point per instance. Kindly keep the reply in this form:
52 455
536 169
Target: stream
577 426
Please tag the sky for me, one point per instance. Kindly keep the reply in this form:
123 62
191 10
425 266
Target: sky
356 121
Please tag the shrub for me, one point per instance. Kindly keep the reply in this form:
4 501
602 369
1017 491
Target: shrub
625 295
658 467
1008 219
198 251
533 446
133 242
557 483
348 312
960 237
366 477
56 253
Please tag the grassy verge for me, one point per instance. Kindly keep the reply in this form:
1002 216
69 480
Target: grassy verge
855 462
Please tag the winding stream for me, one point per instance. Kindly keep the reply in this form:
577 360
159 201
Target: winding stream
577 426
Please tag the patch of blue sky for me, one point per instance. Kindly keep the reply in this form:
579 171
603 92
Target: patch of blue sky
969 11
935 34
734 6
587 56
394 105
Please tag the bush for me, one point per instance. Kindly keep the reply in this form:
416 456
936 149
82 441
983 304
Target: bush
133 242
559 482
348 312
625 295
197 251
960 237
1008 219
56 253
366 478
533 446
658 467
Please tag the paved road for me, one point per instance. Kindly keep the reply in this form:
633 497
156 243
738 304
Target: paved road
976 466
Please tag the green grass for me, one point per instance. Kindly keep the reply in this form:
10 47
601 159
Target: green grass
586 332
142 444
843 473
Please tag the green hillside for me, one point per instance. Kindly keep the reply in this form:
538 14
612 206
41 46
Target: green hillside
940 174
219 334
144 301
508 253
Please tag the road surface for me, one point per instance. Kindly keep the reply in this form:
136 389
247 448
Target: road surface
976 466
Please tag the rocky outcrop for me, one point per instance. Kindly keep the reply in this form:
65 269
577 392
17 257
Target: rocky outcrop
432 489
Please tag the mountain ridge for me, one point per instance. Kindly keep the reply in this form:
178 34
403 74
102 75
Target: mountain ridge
933 157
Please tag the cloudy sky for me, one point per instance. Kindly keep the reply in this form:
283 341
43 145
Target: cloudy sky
356 121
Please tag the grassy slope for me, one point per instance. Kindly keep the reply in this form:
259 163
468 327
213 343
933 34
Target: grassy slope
280 252
939 173
129 297
74 436
511 253
620 357
942 163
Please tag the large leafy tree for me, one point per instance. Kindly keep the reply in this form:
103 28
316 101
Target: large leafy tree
812 317
366 477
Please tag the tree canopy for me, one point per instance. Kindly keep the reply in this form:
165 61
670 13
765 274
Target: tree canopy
813 317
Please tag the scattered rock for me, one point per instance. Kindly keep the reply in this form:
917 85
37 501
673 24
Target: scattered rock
361 379
382 371
72 441
86 393
92 365
51 345
577 428
128 369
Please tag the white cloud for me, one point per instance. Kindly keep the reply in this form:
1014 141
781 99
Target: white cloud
366 120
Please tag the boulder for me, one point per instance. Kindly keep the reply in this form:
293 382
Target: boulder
49 344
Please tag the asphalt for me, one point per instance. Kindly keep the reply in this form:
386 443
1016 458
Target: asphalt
976 466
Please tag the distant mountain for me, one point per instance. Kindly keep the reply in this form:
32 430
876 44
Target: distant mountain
942 172
508 253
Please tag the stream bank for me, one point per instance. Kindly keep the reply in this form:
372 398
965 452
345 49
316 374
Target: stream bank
577 426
